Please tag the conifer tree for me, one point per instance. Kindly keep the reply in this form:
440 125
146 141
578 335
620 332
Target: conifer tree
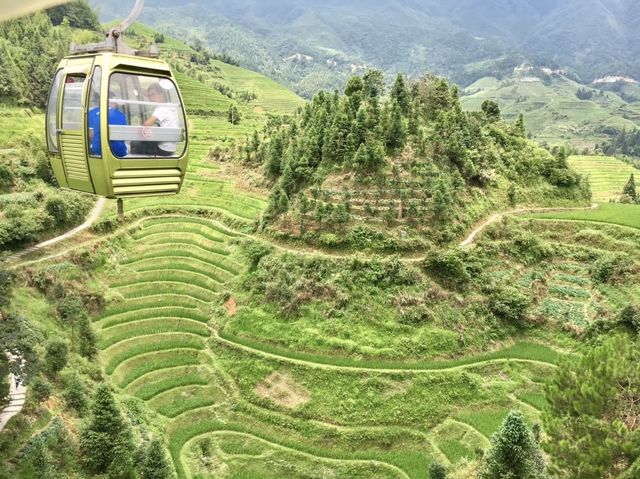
514 454
401 95
519 125
355 92
155 464
396 132
106 442
373 84
630 189
592 419
41 460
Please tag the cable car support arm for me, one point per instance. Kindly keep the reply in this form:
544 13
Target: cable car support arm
114 42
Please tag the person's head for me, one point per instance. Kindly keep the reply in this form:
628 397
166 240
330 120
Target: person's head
112 99
156 93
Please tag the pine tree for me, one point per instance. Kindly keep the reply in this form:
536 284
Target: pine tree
355 92
401 95
396 131
41 460
592 418
442 198
630 189
233 115
107 438
373 84
155 464
514 454
519 126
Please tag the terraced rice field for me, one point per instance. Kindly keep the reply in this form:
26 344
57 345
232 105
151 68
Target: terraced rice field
233 408
606 213
608 175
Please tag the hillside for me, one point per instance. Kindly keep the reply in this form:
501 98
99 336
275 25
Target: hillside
312 45
360 171
607 175
554 113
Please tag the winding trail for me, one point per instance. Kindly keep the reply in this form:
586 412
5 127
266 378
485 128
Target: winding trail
17 393
93 216
495 218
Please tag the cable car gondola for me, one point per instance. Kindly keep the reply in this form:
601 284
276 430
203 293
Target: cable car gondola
116 124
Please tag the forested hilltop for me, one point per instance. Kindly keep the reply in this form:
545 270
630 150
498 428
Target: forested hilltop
400 172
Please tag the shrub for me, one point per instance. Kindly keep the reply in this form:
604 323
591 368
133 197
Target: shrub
75 395
40 388
56 356
609 267
437 471
529 249
630 318
509 304
448 267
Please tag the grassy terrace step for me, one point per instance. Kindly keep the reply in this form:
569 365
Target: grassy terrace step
154 302
154 232
198 268
202 422
206 259
518 352
134 368
608 175
134 315
191 239
117 354
161 289
610 213
183 399
183 221
149 327
203 281
158 382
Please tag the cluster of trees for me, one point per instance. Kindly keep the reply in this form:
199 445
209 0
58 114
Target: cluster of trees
30 49
584 94
373 133
78 14
623 142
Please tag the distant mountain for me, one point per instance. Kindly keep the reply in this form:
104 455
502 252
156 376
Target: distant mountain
310 44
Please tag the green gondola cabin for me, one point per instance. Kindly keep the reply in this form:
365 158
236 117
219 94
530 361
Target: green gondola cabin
116 126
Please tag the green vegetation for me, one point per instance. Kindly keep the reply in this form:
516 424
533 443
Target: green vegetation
388 174
607 175
616 214
188 328
553 112
601 390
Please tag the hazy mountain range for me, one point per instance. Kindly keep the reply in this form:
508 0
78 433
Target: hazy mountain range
310 44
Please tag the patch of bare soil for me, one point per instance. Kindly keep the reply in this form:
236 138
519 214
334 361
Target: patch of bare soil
283 390
231 306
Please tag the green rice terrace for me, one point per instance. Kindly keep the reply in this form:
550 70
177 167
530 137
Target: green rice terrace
607 175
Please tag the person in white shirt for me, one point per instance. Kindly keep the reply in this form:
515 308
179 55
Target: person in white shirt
163 116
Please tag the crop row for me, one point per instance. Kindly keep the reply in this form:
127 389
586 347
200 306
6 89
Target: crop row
149 327
135 368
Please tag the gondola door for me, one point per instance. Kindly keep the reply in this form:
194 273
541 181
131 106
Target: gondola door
73 146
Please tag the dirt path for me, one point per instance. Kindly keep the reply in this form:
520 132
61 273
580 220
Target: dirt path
93 216
495 218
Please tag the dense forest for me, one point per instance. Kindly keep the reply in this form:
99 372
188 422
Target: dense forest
626 143
390 170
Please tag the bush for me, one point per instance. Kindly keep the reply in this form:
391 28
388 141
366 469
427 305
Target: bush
437 471
56 356
40 388
529 249
509 304
448 267
75 395
630 318
609 267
